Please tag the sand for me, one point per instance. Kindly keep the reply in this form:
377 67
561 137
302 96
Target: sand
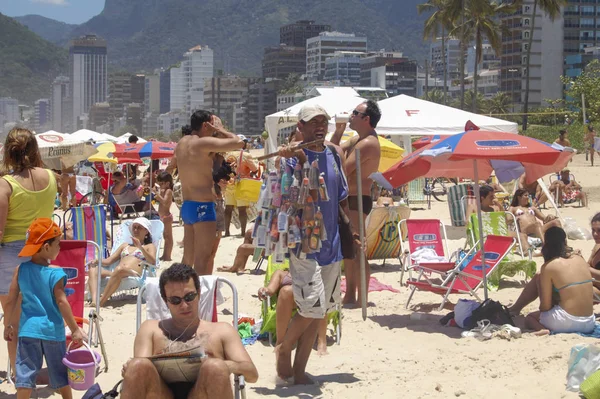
389 355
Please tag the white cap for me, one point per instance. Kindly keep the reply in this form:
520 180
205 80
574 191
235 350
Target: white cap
145 223
310 111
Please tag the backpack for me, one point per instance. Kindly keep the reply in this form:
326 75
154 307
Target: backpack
493 311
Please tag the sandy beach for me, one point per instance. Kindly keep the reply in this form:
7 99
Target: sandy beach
389 355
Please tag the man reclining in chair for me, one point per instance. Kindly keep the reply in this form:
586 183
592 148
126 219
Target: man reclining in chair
225 354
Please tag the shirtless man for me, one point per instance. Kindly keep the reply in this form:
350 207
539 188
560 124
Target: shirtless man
225 354
534 189
195 153
363 120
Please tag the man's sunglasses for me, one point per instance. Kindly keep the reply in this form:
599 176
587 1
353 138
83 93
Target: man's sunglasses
176 300
356 113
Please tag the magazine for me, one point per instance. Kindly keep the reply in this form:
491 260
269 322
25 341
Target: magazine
179 366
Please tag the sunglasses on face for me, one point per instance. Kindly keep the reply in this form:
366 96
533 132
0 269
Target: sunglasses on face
176 300
356 113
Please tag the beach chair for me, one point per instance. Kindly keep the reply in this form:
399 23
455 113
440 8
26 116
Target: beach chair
72 259
382 233
422 233
466 276
89 224
455 195
554 177
123 235
269 311
415 192
207 310
494 223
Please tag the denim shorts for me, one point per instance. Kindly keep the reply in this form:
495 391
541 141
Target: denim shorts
29 362
9 260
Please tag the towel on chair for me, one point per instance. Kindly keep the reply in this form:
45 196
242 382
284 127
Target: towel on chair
156 308
84 184
374 285
427 255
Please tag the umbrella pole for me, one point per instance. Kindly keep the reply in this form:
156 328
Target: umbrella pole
480 227
361 233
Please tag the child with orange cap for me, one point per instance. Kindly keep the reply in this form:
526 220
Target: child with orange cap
41 327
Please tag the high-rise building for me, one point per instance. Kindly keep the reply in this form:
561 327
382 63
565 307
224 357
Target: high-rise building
489 59
377 59
42 115
152 94
88 74
165 91
187 80
280 61
119 92
134 113
62 106
262 101
452 53
321 47
546 64
99 116
138 85
296 34
343 68
222 93
9 109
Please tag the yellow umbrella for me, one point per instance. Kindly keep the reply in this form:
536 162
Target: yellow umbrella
390 152
104 154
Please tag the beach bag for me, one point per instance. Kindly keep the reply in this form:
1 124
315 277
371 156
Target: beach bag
247 189
94 392
584 361
490 310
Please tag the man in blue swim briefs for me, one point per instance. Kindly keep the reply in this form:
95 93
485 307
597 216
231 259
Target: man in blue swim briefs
195 153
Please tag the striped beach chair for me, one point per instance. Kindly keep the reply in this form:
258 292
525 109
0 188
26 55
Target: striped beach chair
89 224
382 233
455 195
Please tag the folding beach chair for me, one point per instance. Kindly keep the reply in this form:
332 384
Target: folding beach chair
382 234
415 194
72 259
462 279
89 224
207 310
555 177
422 233
455 195
494 223
123 235
269 306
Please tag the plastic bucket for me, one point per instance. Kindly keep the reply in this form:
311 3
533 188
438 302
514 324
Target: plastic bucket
81 367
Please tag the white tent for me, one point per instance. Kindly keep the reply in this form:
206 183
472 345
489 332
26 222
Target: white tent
86 135
333 104
125 137
405 115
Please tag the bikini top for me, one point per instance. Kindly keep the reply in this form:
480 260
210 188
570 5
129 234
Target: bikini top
136 254
520 212
572 284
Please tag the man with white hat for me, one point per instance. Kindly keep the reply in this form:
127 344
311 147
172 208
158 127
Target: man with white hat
315 276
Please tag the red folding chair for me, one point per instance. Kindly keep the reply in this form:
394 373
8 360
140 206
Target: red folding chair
459 279
422 233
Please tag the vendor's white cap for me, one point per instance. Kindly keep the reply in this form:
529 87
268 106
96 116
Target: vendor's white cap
310 111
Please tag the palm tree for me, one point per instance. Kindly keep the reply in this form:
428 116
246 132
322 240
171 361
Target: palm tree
551 8
499 104
436 96
437 21
455 11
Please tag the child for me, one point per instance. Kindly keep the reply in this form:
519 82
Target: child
164 196
43 307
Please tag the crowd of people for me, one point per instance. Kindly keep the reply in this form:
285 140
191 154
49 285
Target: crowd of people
206 163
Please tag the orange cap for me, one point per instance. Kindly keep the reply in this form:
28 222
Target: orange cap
40 231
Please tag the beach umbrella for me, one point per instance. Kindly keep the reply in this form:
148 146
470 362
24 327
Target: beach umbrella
149 149
390 152
425 141
477 153
106 154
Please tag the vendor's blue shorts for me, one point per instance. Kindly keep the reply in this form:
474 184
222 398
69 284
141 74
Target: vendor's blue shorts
29 362
193 212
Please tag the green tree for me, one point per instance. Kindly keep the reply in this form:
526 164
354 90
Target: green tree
438 22
292 84
436 96
501 103
175 135
552 9
588 85
470 99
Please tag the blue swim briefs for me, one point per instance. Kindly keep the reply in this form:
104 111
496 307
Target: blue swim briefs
193 212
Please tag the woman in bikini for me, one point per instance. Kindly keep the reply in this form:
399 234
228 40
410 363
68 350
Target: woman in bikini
594 260
564 286
527 216
164 196
130 257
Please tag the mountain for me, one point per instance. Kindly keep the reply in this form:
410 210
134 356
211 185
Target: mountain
144 34
54 31
28 64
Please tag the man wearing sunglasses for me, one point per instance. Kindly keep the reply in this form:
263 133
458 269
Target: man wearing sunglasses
363 120
225 354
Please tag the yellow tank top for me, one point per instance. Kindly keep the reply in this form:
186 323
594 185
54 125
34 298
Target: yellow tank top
25 206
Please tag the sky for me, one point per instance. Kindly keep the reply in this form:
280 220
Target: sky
70 11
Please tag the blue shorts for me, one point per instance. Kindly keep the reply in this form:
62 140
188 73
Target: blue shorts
193 212
29 362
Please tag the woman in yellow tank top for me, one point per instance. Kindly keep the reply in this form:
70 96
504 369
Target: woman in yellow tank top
27 192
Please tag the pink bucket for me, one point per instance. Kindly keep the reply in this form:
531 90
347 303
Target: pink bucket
81 367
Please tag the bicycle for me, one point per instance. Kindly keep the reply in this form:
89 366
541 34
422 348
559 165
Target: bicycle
437 187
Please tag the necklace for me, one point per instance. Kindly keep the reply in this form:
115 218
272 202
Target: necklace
172 341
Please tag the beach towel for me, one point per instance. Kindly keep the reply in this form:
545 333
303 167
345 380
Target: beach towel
84 184
374 285
427 255
156 308
593 334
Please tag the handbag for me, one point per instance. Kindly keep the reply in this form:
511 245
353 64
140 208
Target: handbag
346 238
247 189
95 392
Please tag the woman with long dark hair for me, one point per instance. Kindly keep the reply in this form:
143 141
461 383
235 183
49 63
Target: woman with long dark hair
564 286
527 216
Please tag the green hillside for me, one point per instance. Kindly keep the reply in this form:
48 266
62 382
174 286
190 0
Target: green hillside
28 63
